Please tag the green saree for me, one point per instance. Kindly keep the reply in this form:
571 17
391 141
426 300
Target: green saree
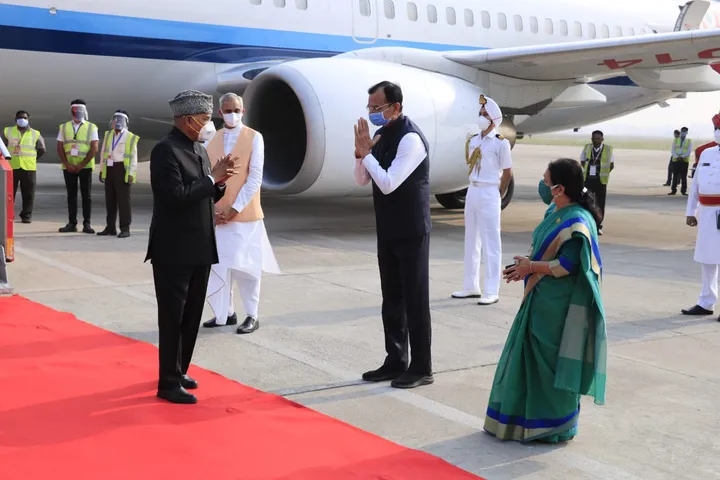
556 350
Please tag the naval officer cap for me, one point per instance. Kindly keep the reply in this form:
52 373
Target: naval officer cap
191 102
492 108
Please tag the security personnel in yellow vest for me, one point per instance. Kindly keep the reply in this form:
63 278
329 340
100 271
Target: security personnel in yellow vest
675 145
25 145
598 160
681 162
118 167
77 144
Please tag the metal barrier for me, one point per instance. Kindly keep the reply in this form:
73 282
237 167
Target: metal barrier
7 210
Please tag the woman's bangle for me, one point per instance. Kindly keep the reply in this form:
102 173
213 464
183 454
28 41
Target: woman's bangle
531 266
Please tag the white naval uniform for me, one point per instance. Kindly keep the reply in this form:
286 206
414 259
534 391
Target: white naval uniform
482 214
707 245
244 250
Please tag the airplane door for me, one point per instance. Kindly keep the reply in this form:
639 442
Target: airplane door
366 21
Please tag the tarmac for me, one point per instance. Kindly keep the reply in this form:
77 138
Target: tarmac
321 327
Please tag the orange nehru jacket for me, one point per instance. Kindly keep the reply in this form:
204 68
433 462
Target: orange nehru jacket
242 150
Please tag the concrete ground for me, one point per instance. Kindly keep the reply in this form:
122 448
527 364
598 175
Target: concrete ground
321 323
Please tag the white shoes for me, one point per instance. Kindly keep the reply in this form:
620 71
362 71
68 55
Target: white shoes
467 294
489 300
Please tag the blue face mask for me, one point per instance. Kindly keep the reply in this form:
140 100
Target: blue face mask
545 192
683 135
378 119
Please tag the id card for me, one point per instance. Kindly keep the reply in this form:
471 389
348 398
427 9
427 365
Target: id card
74 151
593 170
16 150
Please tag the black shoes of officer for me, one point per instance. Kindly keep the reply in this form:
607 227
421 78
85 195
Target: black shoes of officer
72 228
249 325
400 379
188 382
212 323
696 311
177 395
107 232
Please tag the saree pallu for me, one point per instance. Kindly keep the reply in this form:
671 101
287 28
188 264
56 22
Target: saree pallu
556 350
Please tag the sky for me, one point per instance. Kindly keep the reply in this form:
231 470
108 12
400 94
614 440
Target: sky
693 112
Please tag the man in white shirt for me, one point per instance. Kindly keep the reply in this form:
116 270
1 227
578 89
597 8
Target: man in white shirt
490 168
244 250
118 168
598 160
396 159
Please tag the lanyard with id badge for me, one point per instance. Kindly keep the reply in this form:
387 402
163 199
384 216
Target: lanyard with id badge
115 141
595 161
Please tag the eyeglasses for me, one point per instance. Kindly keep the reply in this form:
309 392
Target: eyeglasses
377 108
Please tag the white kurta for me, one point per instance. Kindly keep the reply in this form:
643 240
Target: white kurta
244 249
706 182
482 214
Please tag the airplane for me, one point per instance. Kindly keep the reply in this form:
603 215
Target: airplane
303 68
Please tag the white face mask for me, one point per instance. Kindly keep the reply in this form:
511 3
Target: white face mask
717 136
207 132
22 122
232 120
483 123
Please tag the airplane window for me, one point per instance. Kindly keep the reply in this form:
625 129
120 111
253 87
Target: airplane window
502 21
364 8
450 14
469 17
534 24
412 11
591 30
255 2
279 3
518 23
486 19
389 9
432 13
577 29
549 27
617 32
605 31
564 28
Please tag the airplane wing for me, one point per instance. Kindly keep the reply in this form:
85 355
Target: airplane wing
583 60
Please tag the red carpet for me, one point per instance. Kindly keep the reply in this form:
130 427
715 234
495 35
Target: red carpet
78 403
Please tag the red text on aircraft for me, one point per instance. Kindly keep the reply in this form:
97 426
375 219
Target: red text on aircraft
662 59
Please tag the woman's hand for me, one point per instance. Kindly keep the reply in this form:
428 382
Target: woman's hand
519 271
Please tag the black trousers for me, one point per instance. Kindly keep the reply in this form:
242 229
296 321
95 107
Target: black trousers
404 279
84 178
180 291
26 180
600 191
117 197
670 172
680 172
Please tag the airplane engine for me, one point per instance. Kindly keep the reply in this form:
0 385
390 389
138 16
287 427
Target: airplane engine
306 110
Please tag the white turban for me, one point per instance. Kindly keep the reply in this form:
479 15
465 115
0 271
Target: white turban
492 109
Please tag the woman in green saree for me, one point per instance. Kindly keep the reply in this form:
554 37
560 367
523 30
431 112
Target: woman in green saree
556 350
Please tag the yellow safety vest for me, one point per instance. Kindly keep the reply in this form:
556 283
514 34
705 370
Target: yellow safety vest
678 144
130 144
79 140
605 157
22 148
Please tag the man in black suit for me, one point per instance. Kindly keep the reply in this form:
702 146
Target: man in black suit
396 160
182 235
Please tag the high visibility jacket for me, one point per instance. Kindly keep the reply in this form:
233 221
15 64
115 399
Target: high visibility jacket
79 141
22 148
682 149
130 144
605 164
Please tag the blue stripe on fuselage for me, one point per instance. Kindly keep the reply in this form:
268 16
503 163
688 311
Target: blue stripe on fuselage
36 29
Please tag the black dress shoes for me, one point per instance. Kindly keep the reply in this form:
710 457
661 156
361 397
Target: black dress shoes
412 380
188 383
212 323
249 325
106 232
697 310
382 374
177 395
